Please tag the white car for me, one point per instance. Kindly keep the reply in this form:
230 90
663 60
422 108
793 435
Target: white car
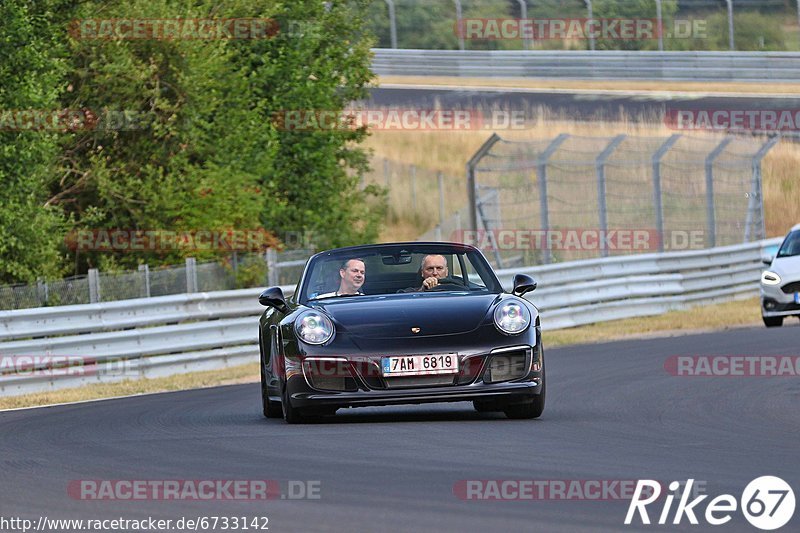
780 282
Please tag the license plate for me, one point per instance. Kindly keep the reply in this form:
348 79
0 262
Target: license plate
420 365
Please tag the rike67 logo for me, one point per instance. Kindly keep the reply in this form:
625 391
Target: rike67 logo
767 503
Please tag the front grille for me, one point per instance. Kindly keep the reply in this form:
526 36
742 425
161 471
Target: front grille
419 381
791 288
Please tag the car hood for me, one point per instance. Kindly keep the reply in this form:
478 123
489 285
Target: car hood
394 316
787 267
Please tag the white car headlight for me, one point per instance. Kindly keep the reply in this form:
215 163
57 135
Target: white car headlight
770 278
313 327
512 317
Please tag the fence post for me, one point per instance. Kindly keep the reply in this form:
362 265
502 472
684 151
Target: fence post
413 171
541 175
145 270
471 185
42 292
94 286
191 274
392 23
386 172
600 166
272 267
755 205
711 223
527 42
459 25
660 26
440 180
731 44
657 198
591 17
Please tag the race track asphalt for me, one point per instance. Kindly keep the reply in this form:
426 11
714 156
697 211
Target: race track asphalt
613 413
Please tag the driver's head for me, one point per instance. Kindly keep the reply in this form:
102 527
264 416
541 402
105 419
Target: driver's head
433 266
352 274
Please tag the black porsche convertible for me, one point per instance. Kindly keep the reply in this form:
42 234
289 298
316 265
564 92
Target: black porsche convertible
367 326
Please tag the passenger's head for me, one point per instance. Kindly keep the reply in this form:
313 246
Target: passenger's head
433 266
352 274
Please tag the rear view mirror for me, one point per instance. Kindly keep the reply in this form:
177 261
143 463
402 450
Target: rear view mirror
397 259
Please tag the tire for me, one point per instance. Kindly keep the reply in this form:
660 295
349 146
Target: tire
271 409
531 409
772 321
291 414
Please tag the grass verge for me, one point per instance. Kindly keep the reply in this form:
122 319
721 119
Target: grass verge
755 87
713 317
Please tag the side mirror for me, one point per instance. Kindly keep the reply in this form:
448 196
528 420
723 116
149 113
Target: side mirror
273 297
767 258
768 254
522 284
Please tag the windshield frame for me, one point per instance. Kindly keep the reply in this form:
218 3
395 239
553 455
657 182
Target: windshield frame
493 285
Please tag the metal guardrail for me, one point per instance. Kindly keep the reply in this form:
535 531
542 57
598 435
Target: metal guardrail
609 65
597 290
166 335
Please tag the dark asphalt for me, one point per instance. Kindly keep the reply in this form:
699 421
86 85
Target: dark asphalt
613 413
575 106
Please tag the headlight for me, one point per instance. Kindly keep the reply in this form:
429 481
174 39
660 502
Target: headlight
313 327
512 318
770 278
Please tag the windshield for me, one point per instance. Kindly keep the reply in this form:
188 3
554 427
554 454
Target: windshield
379 270
791 245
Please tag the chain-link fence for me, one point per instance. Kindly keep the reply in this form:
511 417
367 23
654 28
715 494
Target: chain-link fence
744 25
571 197
238 271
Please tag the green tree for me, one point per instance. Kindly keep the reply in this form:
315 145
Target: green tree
31 72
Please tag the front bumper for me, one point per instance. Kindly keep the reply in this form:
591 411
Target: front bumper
464 387
775 302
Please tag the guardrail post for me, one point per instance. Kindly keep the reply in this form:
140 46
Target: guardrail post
471 185
272 267
145 270
600 166
755 205
94 286
657 199
191 274
711 223
392 23
541 175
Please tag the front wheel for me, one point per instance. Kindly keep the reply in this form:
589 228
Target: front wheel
531 409
773 321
